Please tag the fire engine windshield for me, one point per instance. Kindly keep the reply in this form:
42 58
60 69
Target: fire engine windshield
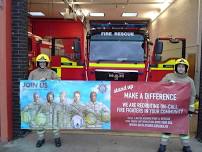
118 47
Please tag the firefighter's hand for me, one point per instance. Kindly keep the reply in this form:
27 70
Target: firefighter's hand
43 79
172 81
191 113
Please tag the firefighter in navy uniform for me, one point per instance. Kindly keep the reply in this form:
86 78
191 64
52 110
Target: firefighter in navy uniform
180 75
44 73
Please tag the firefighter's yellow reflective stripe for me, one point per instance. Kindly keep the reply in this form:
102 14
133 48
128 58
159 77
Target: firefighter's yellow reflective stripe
65 66
165 136
67 62
161 69
184 137
116 65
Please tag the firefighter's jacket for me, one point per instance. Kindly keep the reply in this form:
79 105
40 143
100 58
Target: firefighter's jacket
76 109
175 77
49 110
33 109
43 74
62 116
96 114
76 115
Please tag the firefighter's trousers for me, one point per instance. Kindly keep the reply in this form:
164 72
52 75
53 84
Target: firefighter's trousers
183 137
41 133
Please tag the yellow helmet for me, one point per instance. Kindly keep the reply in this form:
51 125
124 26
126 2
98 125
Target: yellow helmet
182 61
42 57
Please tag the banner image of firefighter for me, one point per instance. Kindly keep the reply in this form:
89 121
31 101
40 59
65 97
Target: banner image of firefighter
75 104
150 106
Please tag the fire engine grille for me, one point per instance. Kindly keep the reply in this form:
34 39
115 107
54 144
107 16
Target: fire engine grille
116 75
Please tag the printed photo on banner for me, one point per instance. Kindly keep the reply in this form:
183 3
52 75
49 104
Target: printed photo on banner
65 104
112 105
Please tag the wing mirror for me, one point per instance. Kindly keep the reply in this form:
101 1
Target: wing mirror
158 48
76 45
157 57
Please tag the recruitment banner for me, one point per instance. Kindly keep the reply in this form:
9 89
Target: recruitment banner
150 106
118 106
65 104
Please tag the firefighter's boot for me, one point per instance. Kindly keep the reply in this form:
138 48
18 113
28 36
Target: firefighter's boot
58 142
162 148
186 149
40 143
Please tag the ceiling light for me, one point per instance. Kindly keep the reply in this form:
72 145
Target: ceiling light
36 13
97 14
165 5
129 14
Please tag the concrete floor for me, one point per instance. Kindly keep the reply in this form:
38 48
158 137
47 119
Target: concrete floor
96 142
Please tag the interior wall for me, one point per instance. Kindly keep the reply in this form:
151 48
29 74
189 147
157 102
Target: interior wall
181 19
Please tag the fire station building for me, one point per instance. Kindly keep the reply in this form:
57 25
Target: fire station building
183 19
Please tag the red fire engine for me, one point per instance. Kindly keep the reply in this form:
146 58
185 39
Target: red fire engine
115 52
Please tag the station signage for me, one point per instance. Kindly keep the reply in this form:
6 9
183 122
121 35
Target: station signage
117 34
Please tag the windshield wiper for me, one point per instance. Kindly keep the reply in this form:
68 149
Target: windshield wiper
102 60
130 61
